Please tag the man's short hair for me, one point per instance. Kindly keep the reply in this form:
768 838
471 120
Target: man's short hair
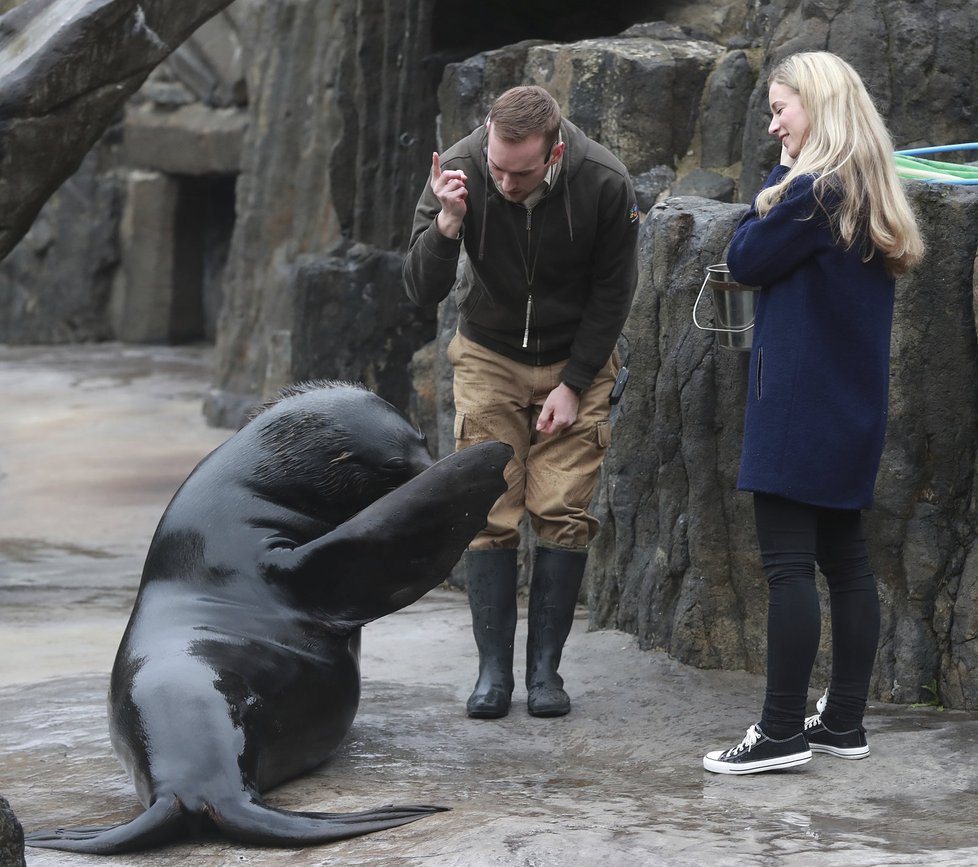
525 111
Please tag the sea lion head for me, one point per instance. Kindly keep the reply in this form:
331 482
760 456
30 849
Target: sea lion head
331 448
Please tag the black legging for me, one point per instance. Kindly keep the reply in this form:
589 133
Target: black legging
792 538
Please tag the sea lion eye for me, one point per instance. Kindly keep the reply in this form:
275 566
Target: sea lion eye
395 464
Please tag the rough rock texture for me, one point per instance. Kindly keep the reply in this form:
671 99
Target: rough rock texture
675 561
57 285
352 321
11 837
653 185
191 139
67 68
705 184
692 102
649 123
725 100
334 150
132 245
919 61
926 506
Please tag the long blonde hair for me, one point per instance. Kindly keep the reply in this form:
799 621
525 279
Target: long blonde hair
848 149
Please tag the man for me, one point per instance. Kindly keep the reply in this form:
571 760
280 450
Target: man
549 224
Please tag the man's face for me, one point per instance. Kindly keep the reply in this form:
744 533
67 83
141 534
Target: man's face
519 167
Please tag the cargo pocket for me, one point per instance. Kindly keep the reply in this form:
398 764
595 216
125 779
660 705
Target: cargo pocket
460 425
473 427
603 430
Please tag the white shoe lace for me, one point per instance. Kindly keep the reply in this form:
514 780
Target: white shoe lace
748 743
812 721
822 702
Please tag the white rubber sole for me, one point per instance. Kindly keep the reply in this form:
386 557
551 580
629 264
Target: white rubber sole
842 752
711 763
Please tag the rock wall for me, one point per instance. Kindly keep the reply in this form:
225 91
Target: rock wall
675 536
349 323
337 149
56 286
648 123
675 560
258 191
11 837
132 245
919 61
67 68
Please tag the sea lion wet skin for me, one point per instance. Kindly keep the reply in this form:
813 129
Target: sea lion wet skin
239 668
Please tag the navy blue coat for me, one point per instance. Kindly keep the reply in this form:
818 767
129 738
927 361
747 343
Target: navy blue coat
819 367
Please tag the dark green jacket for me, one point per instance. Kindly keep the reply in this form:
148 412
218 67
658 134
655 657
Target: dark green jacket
575 252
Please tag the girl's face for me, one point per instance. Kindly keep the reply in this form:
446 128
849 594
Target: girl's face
789 120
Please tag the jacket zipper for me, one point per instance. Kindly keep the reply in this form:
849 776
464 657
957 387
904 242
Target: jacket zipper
529 289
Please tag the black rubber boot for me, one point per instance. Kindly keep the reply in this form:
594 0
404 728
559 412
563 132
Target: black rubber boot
556 583
491 580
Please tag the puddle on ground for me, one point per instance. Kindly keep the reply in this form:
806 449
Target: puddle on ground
115 365
23 550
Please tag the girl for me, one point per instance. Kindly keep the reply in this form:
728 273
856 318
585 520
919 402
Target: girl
824 240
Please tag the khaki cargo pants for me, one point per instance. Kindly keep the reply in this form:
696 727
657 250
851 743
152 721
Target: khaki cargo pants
552 477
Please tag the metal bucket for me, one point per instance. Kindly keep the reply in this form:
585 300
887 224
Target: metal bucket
734 306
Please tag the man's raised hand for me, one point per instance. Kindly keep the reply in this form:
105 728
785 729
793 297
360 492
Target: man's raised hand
449 188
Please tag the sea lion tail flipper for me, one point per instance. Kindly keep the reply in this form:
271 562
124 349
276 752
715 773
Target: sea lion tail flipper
256 823
160 824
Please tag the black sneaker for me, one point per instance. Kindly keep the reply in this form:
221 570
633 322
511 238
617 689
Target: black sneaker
846 745
757 752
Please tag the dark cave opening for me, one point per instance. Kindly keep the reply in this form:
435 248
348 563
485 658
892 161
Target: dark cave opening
203 226
461 28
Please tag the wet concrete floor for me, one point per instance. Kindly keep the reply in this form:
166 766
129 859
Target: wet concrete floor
94 441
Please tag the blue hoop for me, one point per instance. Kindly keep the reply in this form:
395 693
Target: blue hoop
939 149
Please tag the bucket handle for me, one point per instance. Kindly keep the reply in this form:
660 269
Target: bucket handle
696 303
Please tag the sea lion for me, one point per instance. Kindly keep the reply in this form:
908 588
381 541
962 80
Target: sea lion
239 668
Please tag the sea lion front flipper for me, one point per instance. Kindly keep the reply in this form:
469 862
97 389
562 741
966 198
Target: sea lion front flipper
161 823
401 546
258 824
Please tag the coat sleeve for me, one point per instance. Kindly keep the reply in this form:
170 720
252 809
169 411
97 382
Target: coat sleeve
614 277
429 267
765 249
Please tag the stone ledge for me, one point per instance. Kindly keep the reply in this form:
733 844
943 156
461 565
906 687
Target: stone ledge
190 140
